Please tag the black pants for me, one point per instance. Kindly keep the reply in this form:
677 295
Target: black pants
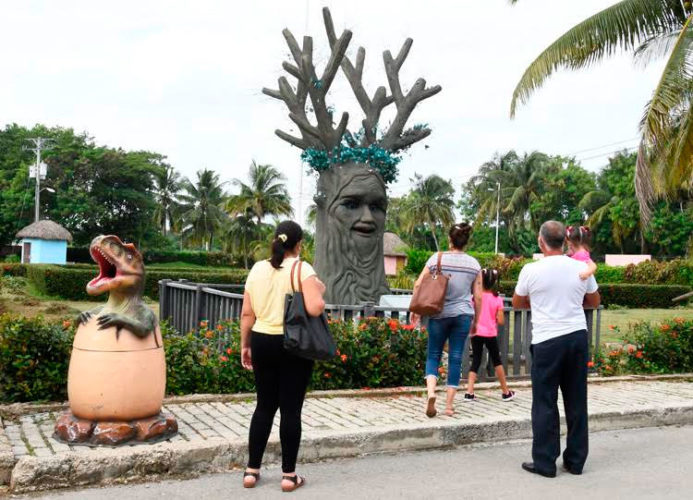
478 343
559 362
281 380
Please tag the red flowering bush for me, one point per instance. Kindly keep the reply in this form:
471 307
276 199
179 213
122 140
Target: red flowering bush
370 353
373 352
666 347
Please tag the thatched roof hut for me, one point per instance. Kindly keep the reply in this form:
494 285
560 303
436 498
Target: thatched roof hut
393 246
45 230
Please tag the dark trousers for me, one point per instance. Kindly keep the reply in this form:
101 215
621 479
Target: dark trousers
281 380
559 362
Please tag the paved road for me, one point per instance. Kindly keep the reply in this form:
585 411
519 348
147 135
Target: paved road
642 463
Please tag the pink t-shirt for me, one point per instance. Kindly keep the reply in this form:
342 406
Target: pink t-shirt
582 256
490 304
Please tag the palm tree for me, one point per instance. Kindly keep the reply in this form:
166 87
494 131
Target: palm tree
266 194
240 232
649 28
200 206
167 185
431 202
481 190
524 182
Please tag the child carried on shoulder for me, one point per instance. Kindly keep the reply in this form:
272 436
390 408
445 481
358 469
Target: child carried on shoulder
578 239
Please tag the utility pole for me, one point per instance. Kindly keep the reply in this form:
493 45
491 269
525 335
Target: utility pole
39 170
497 215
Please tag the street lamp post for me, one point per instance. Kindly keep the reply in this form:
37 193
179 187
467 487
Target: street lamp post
497 215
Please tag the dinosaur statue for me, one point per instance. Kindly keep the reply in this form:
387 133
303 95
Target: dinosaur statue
121 274
116 383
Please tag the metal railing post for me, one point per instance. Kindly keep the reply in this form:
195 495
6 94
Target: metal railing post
163 299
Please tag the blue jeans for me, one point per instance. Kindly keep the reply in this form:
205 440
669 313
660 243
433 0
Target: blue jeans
455 331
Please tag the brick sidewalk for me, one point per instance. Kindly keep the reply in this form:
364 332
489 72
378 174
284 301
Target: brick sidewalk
213 434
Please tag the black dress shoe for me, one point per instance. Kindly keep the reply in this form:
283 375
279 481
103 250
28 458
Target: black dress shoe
574 472
529 467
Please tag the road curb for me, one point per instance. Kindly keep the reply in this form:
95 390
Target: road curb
112 466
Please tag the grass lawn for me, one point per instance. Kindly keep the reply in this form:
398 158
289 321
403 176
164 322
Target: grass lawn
620 319
18 298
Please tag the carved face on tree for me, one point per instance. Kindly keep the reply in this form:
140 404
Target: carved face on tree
359 209
352 203
353 167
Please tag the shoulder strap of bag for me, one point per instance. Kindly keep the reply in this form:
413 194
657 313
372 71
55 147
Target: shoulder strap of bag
293 268
300 283
439 265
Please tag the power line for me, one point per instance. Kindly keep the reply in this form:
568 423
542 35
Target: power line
602 147
633 148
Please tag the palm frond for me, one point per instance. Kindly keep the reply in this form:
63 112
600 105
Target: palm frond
671 92
659 123
619 27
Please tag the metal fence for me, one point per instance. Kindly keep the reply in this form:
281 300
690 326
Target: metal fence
184 305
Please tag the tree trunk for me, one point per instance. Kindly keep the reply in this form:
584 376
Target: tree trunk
351 205
435 238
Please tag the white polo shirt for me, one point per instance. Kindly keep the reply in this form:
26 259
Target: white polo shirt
556 293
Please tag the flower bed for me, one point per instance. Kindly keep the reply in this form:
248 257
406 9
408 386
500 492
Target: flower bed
34 357
666 347
372 353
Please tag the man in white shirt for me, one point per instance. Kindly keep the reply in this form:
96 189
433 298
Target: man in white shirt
552 288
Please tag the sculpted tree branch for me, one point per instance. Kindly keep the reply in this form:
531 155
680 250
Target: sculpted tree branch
396 138
323 135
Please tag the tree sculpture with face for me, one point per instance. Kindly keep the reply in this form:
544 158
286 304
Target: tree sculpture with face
353 168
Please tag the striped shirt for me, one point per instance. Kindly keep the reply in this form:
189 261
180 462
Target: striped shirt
462 270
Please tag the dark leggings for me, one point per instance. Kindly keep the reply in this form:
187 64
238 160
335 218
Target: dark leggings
281 380
478 343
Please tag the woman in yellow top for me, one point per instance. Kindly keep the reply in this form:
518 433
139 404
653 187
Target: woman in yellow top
281 378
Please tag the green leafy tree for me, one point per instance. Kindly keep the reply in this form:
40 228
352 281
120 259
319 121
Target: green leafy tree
201 204
613 206
651 29
96 189
671 229
565 185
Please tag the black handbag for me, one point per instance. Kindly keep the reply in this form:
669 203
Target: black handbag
304 335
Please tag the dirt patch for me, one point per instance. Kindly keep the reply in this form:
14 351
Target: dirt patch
60 308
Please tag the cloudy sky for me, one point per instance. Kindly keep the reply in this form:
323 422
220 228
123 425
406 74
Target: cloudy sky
184 78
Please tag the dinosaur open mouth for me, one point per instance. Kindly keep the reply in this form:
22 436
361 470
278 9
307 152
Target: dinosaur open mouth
107 269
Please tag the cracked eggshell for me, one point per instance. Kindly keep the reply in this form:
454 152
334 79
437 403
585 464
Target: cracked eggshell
113 378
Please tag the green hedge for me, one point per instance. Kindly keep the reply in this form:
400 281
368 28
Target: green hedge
416 260
34 357
627 295
217 259
671 272
69 282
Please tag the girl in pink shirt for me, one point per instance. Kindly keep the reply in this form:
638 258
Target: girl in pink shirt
486 335
578 239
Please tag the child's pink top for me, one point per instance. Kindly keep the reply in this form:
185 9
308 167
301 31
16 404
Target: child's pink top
582 256
490 304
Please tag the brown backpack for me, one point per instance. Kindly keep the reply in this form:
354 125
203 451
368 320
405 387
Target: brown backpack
429 294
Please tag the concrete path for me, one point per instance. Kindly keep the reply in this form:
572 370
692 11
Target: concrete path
213 434
620 466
